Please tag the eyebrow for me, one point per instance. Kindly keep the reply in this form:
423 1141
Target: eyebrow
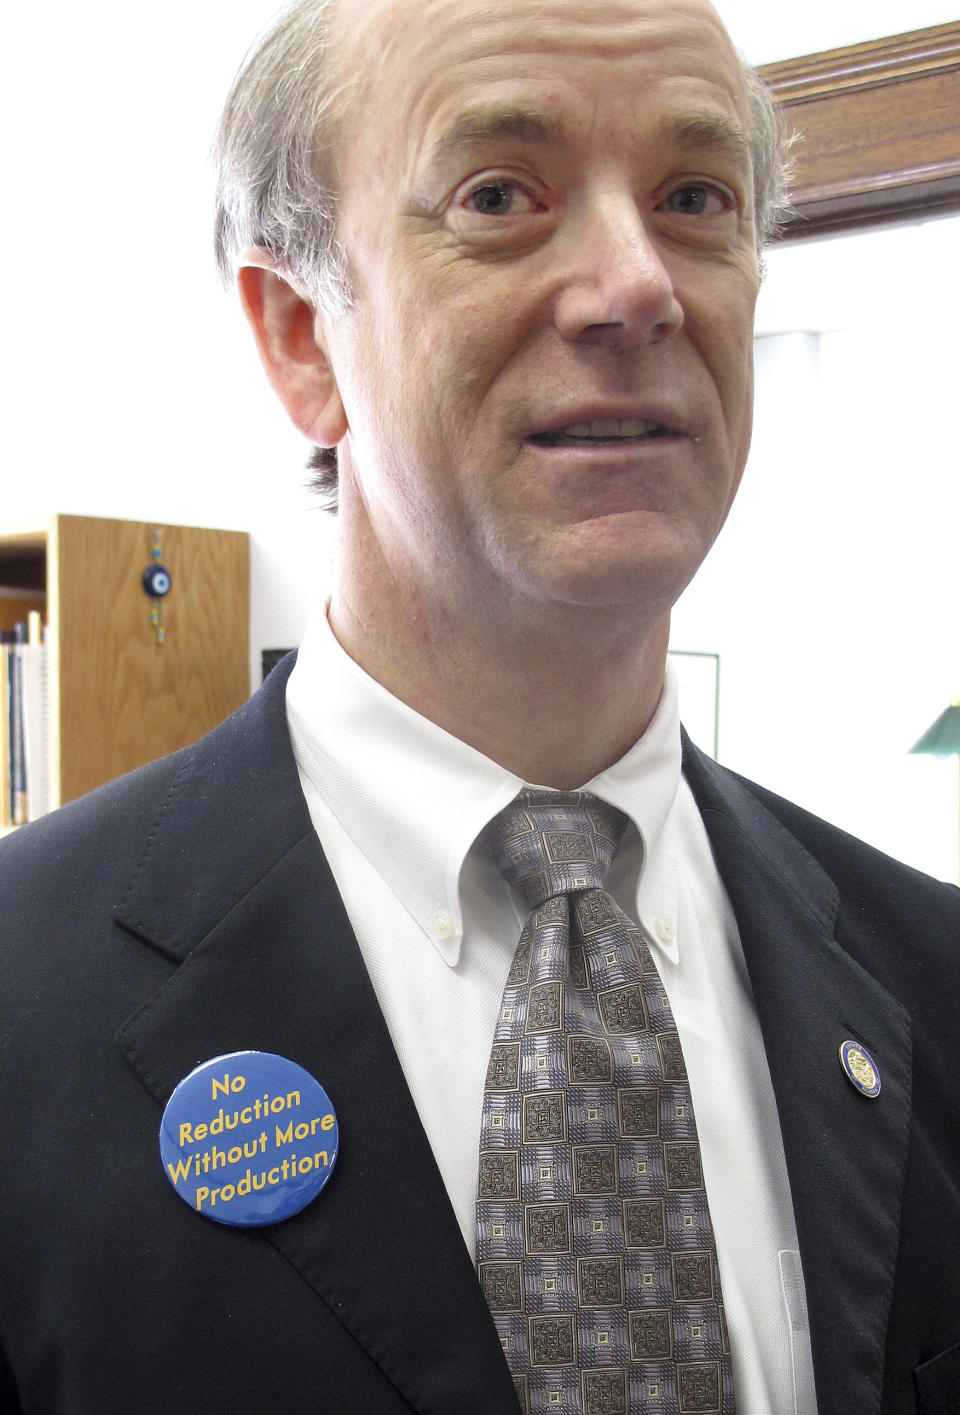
515 122
498 121
709 130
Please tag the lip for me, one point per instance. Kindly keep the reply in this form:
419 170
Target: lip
675 423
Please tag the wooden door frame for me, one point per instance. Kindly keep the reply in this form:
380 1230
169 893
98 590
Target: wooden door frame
877 130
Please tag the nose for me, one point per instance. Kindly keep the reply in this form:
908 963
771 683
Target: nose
616 288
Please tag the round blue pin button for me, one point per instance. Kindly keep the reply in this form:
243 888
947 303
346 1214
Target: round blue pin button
248 1139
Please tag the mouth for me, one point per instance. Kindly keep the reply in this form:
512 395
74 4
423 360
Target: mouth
604 432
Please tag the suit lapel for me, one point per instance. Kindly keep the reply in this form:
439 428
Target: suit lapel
846 1155
234 887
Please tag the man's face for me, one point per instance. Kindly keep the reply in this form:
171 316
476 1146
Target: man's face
548 212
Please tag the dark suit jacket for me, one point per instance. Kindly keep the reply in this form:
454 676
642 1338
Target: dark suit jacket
187 911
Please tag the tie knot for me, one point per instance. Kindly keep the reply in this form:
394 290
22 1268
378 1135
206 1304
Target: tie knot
552 842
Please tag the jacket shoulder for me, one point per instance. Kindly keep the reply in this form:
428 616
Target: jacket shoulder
91 839
90 847
901 925
862 873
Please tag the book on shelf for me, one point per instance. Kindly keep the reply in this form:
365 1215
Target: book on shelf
24 722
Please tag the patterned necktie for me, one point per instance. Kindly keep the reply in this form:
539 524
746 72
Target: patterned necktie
594 1244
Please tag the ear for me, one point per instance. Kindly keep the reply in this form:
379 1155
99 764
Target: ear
284 324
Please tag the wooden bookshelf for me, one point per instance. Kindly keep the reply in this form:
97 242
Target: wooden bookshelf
118 697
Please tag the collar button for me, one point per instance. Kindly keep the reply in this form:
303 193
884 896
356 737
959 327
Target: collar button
443 926
665 929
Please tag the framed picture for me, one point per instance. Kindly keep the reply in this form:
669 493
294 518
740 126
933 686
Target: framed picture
698 688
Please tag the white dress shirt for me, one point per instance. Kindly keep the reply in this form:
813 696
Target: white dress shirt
397 803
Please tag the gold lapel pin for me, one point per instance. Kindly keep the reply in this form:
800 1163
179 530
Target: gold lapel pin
860 1069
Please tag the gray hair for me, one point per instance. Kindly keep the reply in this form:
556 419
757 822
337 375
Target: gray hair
769 149
275 159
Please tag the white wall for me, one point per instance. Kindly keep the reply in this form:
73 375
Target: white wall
767 32
832 595
131 389
130 385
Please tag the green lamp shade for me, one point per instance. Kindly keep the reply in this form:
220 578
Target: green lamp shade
943 738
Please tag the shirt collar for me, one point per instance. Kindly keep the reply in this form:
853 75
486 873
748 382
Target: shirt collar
413 798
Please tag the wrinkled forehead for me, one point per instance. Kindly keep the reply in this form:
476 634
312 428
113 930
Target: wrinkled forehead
430 21
400 59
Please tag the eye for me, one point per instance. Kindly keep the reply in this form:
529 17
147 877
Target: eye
495 199
498 196
699 199
499 210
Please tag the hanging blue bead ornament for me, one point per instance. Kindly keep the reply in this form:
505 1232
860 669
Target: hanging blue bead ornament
157 584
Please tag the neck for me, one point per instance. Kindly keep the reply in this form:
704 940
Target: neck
512 686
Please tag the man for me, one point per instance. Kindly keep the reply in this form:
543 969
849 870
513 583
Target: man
526 330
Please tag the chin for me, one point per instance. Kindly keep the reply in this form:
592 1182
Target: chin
627 569
619 590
